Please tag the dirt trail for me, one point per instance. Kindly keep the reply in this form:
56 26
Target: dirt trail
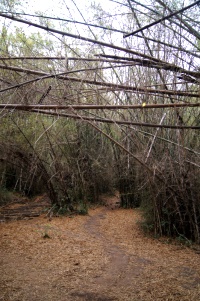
100 257
115 271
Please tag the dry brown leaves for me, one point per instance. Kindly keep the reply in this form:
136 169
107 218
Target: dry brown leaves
103 256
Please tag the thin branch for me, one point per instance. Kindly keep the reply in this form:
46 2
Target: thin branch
58 58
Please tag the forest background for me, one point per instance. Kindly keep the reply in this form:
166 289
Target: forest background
103 96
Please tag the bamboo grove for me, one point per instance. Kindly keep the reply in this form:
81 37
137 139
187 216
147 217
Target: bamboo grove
104 101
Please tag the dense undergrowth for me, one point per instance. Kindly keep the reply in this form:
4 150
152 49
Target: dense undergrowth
78 164
149 154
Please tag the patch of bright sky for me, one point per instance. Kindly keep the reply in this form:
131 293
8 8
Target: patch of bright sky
68 9
64 9
77 10
50 7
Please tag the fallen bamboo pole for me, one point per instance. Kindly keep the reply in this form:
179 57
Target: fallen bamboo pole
95 107
106 120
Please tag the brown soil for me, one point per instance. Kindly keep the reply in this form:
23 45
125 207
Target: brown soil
103 256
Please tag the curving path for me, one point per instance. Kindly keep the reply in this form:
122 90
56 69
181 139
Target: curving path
100 257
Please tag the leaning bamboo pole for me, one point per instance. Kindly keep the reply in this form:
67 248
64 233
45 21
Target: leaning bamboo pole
110 121
93 82
166 18
95 107
150 64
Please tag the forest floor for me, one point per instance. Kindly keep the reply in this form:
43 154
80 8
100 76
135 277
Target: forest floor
102 256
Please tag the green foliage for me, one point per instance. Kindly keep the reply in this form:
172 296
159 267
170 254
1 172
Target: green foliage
83 208
183 240
23 44
9 5
198 43
6 196
148 222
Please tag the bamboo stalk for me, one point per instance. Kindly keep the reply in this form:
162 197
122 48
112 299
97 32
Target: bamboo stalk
96 107
105 120
154 138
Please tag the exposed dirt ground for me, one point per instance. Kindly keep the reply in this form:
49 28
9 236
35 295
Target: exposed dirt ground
102 256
